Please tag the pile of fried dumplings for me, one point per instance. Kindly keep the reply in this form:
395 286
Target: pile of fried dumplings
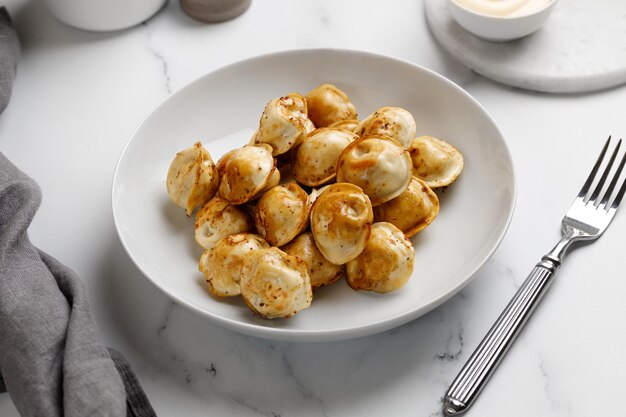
315 195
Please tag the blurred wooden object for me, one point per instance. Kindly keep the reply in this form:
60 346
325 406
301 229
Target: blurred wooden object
214 10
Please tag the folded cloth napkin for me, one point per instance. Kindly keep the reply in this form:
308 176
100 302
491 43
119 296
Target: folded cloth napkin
9 55
52 361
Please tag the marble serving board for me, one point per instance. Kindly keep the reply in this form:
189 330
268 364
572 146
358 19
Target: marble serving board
581 48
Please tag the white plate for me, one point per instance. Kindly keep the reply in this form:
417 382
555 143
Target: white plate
475 211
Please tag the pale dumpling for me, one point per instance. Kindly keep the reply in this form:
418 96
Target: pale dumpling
283 123
377 164
221 163
284 162
321 271
246 172
395 122
327 104
282 213
316 192
348 125
435 161
411 211
254 139
309 126
274 284
217 219
315 161
221 266
272 182
341 218
385 264
192 178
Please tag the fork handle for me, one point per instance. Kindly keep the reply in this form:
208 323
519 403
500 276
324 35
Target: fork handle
470 381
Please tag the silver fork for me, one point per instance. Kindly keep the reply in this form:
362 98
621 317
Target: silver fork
586 219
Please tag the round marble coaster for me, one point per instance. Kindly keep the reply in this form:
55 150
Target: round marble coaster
582 47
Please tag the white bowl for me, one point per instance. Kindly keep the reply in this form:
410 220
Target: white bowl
500 28
474 216
103 15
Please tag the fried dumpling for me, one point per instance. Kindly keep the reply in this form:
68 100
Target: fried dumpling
221 163
283 123
282 213
385 264
309 126
411 211
348 125
435 161
327 104
377 164
274 284
192 178
316 192
272 182
221 266
321 271
315 161
217 219
395 122
247 172
341 218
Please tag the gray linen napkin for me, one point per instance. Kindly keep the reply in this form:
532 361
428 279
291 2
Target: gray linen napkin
52 361
9 55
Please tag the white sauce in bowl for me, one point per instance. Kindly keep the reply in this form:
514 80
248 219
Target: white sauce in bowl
504 8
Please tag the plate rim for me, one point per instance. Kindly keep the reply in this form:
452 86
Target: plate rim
300 335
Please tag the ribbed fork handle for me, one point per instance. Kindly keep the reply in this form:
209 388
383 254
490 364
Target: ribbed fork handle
496 343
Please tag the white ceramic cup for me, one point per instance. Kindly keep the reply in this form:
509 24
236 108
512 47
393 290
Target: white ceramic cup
103 15
500 28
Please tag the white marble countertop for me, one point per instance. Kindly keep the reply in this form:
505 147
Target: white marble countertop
78 97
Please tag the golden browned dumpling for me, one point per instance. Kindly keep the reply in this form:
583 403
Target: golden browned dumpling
315 162
436 162
282 213
247 172
341 218
394 122
377 164
412 211
272 182
192 178
385 264
254 139
327 104
308 128
221 163
348 125
217 219
316 192
274 284
321 271
283 122
221 265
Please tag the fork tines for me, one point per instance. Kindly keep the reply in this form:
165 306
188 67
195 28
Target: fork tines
605 200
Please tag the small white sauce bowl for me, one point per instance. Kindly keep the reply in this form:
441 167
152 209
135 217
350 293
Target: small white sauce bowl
103 15
500 28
